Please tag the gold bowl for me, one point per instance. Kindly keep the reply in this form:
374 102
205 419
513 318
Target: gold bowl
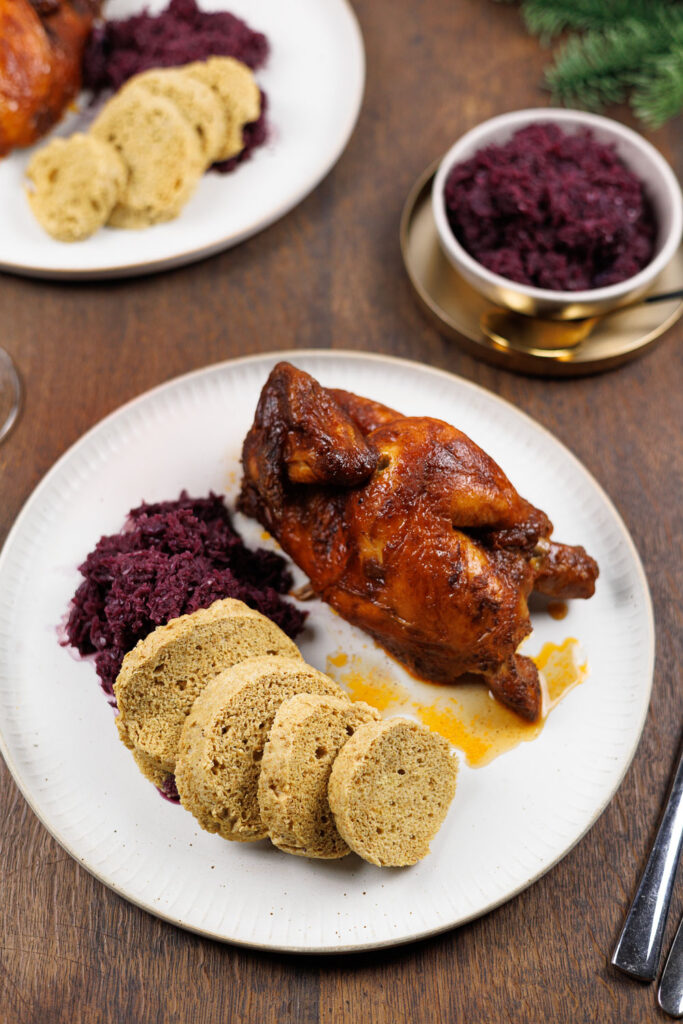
639 156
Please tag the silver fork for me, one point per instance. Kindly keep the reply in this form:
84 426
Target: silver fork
670 996
640 944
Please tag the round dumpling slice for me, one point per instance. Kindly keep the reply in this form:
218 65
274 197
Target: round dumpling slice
236 88
197 102
164 673
76 183
161 150
308 732
390 789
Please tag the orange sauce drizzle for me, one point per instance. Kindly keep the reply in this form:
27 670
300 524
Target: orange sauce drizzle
368 682
466 714
562 667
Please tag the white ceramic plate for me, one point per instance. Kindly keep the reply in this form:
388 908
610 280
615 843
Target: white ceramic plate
509 822
314 80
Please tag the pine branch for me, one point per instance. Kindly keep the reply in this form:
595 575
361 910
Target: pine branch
547 18
599 67
658 95
616 50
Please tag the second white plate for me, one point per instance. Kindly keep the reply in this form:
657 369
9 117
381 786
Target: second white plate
509 822
314 79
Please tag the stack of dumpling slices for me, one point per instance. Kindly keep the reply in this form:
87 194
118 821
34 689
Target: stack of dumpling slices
263 745
146 150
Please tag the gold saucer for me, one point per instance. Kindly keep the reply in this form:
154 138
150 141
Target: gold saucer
456 307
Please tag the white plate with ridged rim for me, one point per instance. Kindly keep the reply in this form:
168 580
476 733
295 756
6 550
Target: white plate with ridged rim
314 79
509 822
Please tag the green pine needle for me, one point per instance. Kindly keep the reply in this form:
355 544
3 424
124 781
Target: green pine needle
596 68
659 96
547 18
615 50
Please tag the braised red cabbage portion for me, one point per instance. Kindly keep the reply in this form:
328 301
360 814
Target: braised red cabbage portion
552 210
171 558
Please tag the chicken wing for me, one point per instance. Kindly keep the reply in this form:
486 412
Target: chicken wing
41 49
409 530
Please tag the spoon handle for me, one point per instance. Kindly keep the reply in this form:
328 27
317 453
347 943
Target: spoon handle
640 943
670 996
665 296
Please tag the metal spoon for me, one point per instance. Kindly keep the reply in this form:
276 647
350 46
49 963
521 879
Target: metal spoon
640 943
552 338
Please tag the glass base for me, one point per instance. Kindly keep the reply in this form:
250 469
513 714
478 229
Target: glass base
10 394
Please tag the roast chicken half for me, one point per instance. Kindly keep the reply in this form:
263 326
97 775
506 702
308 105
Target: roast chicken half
409 530
41 49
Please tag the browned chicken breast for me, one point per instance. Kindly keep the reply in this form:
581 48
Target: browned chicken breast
41 49
409 530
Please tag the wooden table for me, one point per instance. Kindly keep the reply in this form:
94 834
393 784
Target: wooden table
329 275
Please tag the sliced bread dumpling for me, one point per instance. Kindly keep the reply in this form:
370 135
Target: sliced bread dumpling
164 673
308 732
76 183
223 738
240 96
161 151
197 102
390 789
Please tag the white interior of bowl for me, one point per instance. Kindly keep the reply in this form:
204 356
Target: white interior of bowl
640 156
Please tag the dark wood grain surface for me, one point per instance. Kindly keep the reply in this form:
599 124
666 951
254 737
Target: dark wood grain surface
330 276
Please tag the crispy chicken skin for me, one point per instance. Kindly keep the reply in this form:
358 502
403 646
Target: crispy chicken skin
409 530
41 49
